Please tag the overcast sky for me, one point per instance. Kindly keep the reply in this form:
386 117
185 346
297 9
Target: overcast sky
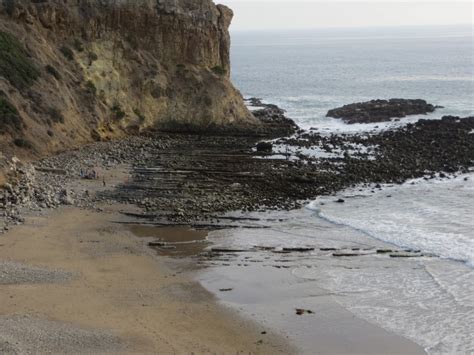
285 14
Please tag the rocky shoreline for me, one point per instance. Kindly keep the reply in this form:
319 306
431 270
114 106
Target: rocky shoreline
178 178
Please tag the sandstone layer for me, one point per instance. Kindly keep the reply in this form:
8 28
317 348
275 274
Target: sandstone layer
73 71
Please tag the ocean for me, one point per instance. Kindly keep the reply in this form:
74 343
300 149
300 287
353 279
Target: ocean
428 300
310 72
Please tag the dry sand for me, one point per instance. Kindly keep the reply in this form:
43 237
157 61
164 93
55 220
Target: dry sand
73 281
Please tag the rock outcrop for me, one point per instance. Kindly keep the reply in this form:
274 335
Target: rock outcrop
73 71
381 110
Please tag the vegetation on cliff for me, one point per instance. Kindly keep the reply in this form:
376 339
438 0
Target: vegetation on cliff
15 64
80 70
10 119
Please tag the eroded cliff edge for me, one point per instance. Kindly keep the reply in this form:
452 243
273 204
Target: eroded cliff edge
73 71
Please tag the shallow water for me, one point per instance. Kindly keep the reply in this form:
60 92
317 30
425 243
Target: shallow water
434 216
426 299
172 241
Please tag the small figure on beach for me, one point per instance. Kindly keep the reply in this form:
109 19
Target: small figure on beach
89 174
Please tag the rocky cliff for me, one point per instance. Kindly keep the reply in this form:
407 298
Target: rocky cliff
73 71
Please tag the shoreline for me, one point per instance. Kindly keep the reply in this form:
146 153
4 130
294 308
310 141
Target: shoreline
85 265
152 190
74 281
408 297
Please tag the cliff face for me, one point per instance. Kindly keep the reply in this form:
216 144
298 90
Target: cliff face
76 70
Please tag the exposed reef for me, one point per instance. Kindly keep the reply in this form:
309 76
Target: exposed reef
381 110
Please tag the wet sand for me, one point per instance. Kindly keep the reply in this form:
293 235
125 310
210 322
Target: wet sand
179 241
272 297
264 284
263 289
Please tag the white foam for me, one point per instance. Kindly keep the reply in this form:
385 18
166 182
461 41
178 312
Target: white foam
427 302
426 299
309 111
433 216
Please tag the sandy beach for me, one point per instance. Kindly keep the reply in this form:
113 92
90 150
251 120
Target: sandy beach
77 281
298 183
73 281
78 273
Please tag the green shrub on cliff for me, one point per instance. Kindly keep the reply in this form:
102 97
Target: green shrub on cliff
118 112
139 114
92 57
55 115
10 119
219 70
78 46
9 6
91 88
15 64
52 71
67 52
22 143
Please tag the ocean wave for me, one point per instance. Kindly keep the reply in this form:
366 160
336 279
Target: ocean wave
432 216
423 78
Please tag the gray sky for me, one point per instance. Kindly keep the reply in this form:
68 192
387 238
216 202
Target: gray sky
286 14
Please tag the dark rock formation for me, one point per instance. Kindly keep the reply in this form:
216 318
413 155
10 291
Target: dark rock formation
273 118
183 178
208 176
381 110
265 147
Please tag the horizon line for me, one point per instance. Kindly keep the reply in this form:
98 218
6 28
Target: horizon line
272 29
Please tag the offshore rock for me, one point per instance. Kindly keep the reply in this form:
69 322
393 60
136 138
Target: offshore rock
381 110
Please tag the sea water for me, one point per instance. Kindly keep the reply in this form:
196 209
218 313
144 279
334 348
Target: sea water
310 72
429 299
434 216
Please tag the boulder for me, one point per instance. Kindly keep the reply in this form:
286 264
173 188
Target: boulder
264 147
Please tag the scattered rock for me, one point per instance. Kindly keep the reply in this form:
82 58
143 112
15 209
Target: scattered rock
229 250
157 244
264 147
206 177
384 251
405 255
301 311
298 249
